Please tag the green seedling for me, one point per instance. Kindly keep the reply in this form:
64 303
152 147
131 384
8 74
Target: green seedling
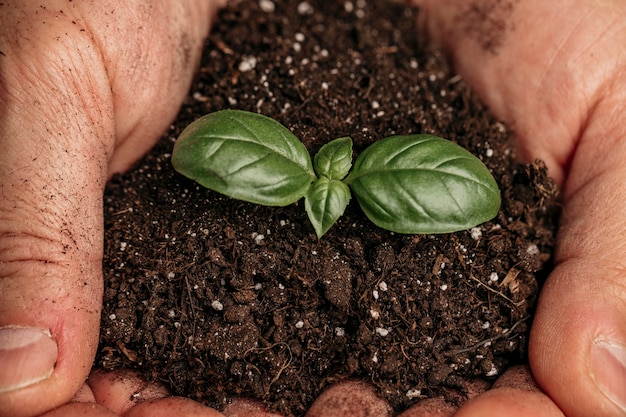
416 184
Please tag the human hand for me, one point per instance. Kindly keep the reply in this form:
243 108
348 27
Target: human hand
555 72
85 89
556 75
579 114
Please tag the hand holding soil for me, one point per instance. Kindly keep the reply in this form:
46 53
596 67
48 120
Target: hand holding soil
555 73
85 91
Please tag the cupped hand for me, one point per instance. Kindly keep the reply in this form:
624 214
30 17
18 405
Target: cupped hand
85 88
555 71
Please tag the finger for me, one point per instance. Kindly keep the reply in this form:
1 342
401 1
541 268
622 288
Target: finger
52 173
77 409
121 390
431 407
438 407
241 407
172 406
515 382
350 399
84 395
124 393
579 332
514 395
167 407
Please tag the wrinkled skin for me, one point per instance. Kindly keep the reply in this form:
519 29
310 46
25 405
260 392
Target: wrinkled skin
86 88
76 79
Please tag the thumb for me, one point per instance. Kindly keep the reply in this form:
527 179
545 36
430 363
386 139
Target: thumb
56 136
578 340
75 82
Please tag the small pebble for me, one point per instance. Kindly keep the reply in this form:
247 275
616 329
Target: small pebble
381 331
304 8
267 6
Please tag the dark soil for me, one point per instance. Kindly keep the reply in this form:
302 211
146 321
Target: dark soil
218 298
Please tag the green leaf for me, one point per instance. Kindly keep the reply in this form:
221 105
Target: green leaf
334 159
325 203
423 184
245 156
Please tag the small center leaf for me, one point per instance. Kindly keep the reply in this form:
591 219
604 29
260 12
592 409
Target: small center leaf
334 159
325 202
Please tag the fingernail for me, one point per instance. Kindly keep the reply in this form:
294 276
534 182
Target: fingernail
608 364
27 356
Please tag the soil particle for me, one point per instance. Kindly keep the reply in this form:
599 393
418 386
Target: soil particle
218 298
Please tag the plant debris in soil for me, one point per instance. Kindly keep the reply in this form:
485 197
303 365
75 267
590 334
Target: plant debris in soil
218 298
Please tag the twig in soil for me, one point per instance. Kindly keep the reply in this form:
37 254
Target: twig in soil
408 358
516 304
283 366
455 79
492 339
191 309
126 210
386 50
193 313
